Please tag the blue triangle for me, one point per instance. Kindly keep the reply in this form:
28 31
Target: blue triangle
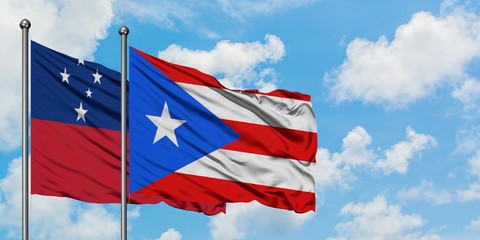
201 134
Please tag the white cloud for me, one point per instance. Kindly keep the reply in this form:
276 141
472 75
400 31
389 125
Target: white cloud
425 191
355 151
420 236
164 13
169 14
468 139
91 222
242 9
73 27
337 169
170 234
472 193
448 5
242 69
474 163
172 15
471 231
11 196
52 217
473 226
134 213
468 93
331 171
398 157
244 219
411 66
378 220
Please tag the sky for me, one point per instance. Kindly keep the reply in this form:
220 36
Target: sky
395 89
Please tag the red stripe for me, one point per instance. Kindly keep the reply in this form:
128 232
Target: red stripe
273 141
189 188
83 163
179 73
281 93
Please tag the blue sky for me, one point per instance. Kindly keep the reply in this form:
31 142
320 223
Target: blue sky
395 89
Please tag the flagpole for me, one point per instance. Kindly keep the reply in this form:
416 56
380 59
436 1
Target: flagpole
25 26
123 31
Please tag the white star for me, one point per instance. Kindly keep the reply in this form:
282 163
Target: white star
65 75
80 62
97 77
165 125
89 93
81 112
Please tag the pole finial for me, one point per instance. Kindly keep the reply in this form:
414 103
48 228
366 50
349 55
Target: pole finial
25 24
123 30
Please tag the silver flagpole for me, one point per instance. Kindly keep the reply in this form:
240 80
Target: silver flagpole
25 26
123 31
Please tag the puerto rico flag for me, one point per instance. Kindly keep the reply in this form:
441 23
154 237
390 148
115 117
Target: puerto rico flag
194 140
75 132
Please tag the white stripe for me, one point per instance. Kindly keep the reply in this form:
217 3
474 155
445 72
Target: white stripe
256 169
254 108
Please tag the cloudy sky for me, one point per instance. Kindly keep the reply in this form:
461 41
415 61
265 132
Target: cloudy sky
395 88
